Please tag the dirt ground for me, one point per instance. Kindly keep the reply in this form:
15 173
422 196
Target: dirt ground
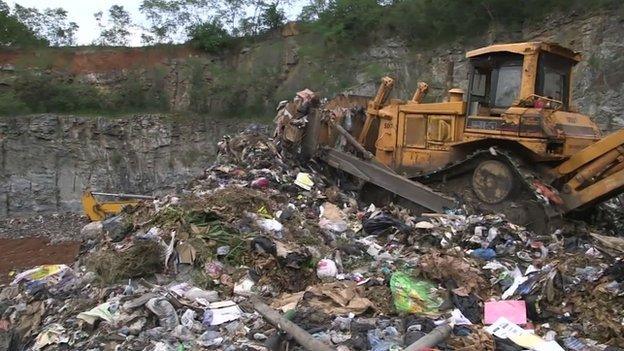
20 254
29 241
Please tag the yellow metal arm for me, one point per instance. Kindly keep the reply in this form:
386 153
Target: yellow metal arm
97 211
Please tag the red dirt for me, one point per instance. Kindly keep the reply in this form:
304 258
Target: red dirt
22 254
95 60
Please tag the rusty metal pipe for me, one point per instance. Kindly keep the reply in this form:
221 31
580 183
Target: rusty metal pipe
436 336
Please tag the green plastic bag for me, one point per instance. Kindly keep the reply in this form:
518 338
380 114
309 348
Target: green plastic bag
414 296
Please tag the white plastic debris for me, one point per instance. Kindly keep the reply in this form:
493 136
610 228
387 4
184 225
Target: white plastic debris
222 312
424 225
326 268
244 286
304 181
270 225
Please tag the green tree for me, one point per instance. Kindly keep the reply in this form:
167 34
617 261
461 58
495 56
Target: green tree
14 33
115 32
348 20
167 19
246 27
210 36
52 24
272 17
312 10
175 20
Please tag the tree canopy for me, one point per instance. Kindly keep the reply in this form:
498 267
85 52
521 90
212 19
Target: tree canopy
115 31
14 33
50 25
211 23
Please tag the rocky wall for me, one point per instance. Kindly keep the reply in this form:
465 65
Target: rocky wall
47 160
250 78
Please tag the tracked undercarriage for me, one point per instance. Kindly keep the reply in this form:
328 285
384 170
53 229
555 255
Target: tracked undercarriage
488 181
512 145
494 181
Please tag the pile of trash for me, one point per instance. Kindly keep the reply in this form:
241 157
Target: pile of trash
265 253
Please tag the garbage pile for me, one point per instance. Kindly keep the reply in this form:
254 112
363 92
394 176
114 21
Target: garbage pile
265 253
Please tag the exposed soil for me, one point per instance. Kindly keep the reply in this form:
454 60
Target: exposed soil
89 59
20 254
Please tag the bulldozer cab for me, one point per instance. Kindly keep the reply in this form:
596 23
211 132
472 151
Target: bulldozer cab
519 75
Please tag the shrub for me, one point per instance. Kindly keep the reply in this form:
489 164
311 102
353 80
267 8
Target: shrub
130 95
10 105
209 36
348 20
45 93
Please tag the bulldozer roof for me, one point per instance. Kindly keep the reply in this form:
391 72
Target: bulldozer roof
526 49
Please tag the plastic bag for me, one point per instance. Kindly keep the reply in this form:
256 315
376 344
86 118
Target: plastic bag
188 317
379 224
414 296
326 268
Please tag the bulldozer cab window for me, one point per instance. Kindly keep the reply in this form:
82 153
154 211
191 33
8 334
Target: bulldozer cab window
507 85
553 77
479 82
495 82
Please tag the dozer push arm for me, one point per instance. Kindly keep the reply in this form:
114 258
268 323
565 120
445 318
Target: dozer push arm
594 174
380 175
375 104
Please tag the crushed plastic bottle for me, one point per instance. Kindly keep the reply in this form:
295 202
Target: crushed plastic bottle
210 338
167 316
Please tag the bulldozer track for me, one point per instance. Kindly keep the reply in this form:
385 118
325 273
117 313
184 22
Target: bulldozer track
469 163
522 173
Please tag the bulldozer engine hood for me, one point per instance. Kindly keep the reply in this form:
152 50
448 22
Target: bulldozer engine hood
570 124
547 123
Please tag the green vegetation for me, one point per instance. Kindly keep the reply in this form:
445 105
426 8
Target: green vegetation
429 22
37 92
348 21
332 34
42 93
28 27
209 36
14 33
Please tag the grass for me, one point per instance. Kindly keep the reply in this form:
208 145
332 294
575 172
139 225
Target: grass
144 258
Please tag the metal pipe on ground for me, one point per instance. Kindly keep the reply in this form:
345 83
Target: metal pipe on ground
436 336
303 337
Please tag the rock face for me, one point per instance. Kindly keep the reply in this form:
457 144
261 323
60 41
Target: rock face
46 161
598 81
250 80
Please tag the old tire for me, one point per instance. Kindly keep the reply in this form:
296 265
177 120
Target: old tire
493 181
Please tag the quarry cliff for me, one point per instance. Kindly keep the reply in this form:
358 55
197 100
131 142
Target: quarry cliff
48 159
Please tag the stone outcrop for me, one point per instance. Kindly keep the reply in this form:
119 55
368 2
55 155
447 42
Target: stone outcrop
251 79
46 160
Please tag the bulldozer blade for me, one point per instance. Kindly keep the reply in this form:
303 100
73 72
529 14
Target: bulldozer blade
592 152
384 177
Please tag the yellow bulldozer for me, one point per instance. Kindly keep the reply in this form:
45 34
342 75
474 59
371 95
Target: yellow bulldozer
513 143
